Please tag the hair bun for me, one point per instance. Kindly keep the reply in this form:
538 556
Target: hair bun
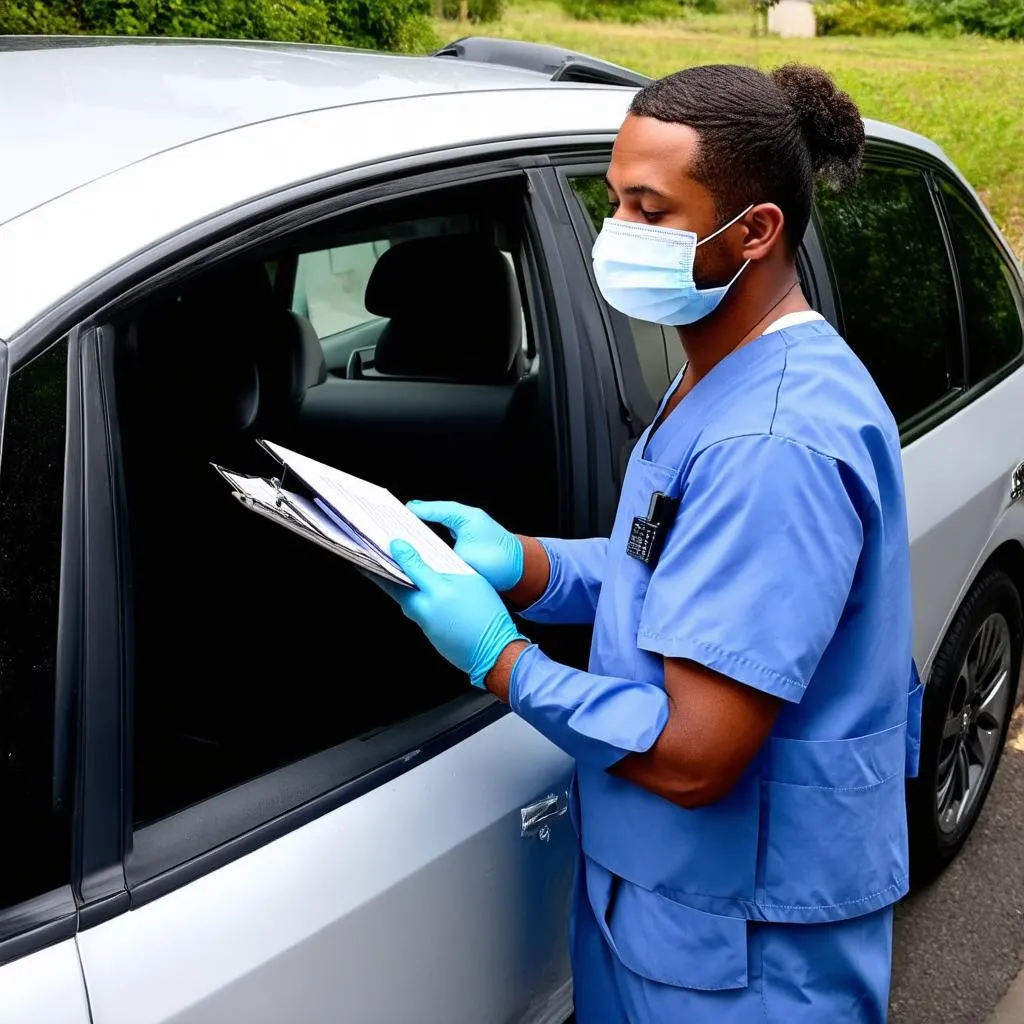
829 119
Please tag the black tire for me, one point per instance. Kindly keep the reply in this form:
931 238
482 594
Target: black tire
936 838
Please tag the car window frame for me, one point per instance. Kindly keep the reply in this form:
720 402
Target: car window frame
52 916
886 153
633 391
974 388
152 863
634 395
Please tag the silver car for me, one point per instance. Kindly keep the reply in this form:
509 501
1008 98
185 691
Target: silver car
236 784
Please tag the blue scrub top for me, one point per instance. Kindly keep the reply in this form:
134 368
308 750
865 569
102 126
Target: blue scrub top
787 568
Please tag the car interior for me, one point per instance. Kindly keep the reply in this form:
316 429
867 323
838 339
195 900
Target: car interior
253 648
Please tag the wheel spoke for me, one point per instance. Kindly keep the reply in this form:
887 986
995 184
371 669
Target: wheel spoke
972 662
990 666
963 773
983 744
996 691
984 636
947 776
979 702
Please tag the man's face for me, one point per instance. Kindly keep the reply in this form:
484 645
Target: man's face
649 183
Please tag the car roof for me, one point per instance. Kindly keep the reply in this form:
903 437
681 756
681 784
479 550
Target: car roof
88 106
134 143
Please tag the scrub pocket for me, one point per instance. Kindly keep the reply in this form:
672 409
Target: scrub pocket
665 941
835 825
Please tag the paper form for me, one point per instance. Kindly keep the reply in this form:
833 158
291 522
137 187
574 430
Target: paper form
373 512
300 513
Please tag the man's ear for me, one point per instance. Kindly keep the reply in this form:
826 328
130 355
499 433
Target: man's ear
764 226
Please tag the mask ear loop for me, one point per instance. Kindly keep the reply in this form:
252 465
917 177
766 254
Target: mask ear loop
725 227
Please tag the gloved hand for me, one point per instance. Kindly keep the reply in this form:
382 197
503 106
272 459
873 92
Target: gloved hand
461 615
489 548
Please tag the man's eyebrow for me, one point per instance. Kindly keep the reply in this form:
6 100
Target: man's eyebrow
637 190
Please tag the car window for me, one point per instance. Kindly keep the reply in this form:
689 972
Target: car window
254 649
658 348
994 335
895 285
330 285
34 853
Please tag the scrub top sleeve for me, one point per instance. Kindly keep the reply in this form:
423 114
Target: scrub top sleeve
597 720
574 583
758 567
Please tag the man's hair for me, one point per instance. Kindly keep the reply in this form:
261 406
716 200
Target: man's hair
762 138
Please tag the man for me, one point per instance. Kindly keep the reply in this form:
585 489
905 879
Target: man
741 738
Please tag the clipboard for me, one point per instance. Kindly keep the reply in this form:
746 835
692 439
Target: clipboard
344 514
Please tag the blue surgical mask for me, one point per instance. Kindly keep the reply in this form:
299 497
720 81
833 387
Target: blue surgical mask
646 272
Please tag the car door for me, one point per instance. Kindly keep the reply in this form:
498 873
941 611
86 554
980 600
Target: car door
40 972
940 346
417 872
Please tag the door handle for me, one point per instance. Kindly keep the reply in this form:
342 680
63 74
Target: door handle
537 817
1017 483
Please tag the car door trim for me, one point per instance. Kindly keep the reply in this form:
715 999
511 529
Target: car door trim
201 838
195 245
159 857
51 917
35 924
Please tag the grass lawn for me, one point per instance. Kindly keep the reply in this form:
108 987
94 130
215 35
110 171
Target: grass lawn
965 93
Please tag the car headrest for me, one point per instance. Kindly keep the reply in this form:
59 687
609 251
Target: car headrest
227 355
202 350
453 308
289 362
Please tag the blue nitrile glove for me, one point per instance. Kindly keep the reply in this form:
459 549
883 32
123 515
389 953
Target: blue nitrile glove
489 548
461 615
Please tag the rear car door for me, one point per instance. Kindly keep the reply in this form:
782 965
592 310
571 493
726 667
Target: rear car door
930 301
298 843
40 972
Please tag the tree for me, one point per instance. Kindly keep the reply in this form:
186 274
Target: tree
385 24
761 8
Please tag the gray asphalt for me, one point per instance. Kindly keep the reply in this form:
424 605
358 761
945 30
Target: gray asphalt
959 944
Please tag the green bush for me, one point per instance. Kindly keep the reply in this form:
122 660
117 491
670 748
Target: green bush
479 10
387 24
634 11
870 18
1000 19
35 17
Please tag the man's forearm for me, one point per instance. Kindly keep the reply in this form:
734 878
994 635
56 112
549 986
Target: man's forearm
595 719
499 679
689 743
659 769
561 582
536 573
